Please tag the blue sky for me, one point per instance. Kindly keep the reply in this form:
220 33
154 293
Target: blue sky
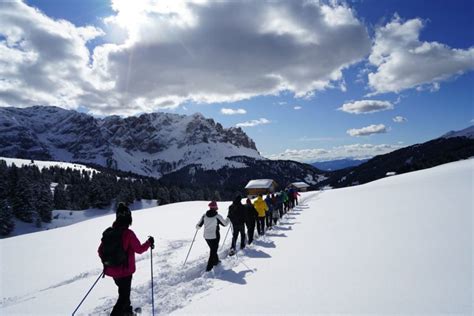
319 81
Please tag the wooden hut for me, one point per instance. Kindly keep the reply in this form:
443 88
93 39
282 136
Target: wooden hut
260 186
300 186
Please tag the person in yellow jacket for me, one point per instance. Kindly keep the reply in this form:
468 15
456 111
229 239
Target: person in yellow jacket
261 207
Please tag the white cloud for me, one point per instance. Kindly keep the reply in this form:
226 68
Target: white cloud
43 61
366 106
355 151
298 107
404 62
232 111
253 123
399 119
174 51
368 130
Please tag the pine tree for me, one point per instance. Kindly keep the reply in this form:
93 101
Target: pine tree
174 195
163 195
6 217
44 202
98 197
60 198
217 196
22 200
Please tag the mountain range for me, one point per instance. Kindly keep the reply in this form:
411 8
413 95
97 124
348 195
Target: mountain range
150 144
332 165
179 149
194 151
453 146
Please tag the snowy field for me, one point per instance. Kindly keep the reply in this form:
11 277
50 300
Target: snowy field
47 164
63 218
400 245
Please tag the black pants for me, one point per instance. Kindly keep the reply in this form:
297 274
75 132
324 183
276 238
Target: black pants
280 210
250 230
261 225
238 229
269 216
213 257
123 305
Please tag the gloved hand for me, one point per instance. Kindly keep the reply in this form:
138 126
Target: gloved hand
198 227
151 240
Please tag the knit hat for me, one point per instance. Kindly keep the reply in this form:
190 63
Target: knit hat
123 214
213 205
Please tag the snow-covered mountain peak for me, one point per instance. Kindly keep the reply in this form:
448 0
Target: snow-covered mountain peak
467 132
150 144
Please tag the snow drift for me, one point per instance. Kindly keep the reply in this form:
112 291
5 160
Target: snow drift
400 245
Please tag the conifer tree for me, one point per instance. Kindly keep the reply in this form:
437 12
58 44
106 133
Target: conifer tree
44 202
22 200
6 217
60 200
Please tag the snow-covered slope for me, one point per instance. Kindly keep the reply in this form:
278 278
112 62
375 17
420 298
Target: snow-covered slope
400 245
467 132
47 164
149 144
63 218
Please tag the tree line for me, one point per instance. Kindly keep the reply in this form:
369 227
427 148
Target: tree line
27 193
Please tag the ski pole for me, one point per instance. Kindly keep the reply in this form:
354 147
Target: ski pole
225 236
190 247
152 296
101 275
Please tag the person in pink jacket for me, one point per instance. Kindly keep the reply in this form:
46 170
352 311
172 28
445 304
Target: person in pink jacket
122 274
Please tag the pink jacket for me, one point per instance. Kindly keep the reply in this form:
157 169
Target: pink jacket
132 245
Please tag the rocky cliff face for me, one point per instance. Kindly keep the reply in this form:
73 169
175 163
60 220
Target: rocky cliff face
150 144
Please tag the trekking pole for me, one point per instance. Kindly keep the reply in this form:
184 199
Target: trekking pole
101 275
190 247
152 296
225 236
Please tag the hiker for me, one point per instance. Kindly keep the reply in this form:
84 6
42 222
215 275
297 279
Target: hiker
237 214
275 210
117 252
291 197
211 221
280 201
251 216
269 212
261 208
295 196
286 207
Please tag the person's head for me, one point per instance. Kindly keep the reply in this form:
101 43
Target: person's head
249 201
237 199
213 206
123 216
260 196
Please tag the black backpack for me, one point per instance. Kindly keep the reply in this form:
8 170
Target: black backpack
113 254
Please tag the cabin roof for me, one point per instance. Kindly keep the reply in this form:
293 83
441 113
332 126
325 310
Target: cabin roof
259 184
300 185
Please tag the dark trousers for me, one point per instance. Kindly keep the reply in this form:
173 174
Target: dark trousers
280 210
250 230
238 229
269 216
261 225
213 257
123 305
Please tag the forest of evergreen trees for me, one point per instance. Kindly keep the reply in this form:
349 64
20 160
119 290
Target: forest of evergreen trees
26 192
